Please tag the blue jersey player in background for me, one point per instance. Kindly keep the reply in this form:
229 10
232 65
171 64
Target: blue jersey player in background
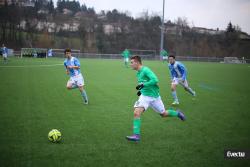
76 80
178 74
4 52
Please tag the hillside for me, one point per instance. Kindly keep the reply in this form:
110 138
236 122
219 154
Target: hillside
70 25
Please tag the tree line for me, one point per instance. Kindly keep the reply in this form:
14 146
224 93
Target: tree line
110 31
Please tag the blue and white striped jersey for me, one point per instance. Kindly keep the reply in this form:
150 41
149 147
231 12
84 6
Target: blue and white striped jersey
72 62
177 70
4 50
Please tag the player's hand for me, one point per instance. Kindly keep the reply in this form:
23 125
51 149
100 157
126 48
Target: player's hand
138 93
139 87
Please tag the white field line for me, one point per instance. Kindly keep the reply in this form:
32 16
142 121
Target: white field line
27 66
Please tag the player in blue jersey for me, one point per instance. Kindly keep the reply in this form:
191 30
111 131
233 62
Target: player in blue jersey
4 51
178 74
76 80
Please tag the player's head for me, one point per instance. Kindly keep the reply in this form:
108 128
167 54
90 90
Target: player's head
67 52
171 58
135 62
2 45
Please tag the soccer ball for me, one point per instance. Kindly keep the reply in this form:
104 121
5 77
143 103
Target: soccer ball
54 135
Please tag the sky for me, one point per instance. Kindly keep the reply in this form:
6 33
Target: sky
199 13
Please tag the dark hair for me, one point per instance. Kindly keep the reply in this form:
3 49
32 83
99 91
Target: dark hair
172 55
137 58
67 50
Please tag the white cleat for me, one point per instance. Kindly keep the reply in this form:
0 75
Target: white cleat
175 103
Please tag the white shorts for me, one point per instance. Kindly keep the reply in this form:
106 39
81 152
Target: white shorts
5 55
77 80
164 57
126 59
177 81
155 103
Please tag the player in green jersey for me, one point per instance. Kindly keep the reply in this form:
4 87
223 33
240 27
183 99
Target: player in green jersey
164 55
126 55
148 92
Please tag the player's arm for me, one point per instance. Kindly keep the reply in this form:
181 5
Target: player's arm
183 70
171 72
122 54
129 53
153 80
66 67
74 67
76 64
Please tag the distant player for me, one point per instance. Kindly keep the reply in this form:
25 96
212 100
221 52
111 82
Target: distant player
4 53
148 92
50 53
178 76
126 54
76 80
164 55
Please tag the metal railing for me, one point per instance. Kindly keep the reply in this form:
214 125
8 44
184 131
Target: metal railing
144 57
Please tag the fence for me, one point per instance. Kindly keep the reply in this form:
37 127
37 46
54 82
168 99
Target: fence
157 57
144 57
200 59
102 56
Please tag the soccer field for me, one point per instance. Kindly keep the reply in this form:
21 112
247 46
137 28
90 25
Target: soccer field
34 100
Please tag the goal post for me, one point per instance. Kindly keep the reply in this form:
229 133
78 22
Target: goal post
60 53
45 52
232 60
34 52
143 53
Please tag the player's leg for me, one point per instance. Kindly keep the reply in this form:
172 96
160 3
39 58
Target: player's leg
158 106
136 124
140 106
84 94
71 84
5 58
80 84
174 113
164 58
174 93
126 62
187 88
